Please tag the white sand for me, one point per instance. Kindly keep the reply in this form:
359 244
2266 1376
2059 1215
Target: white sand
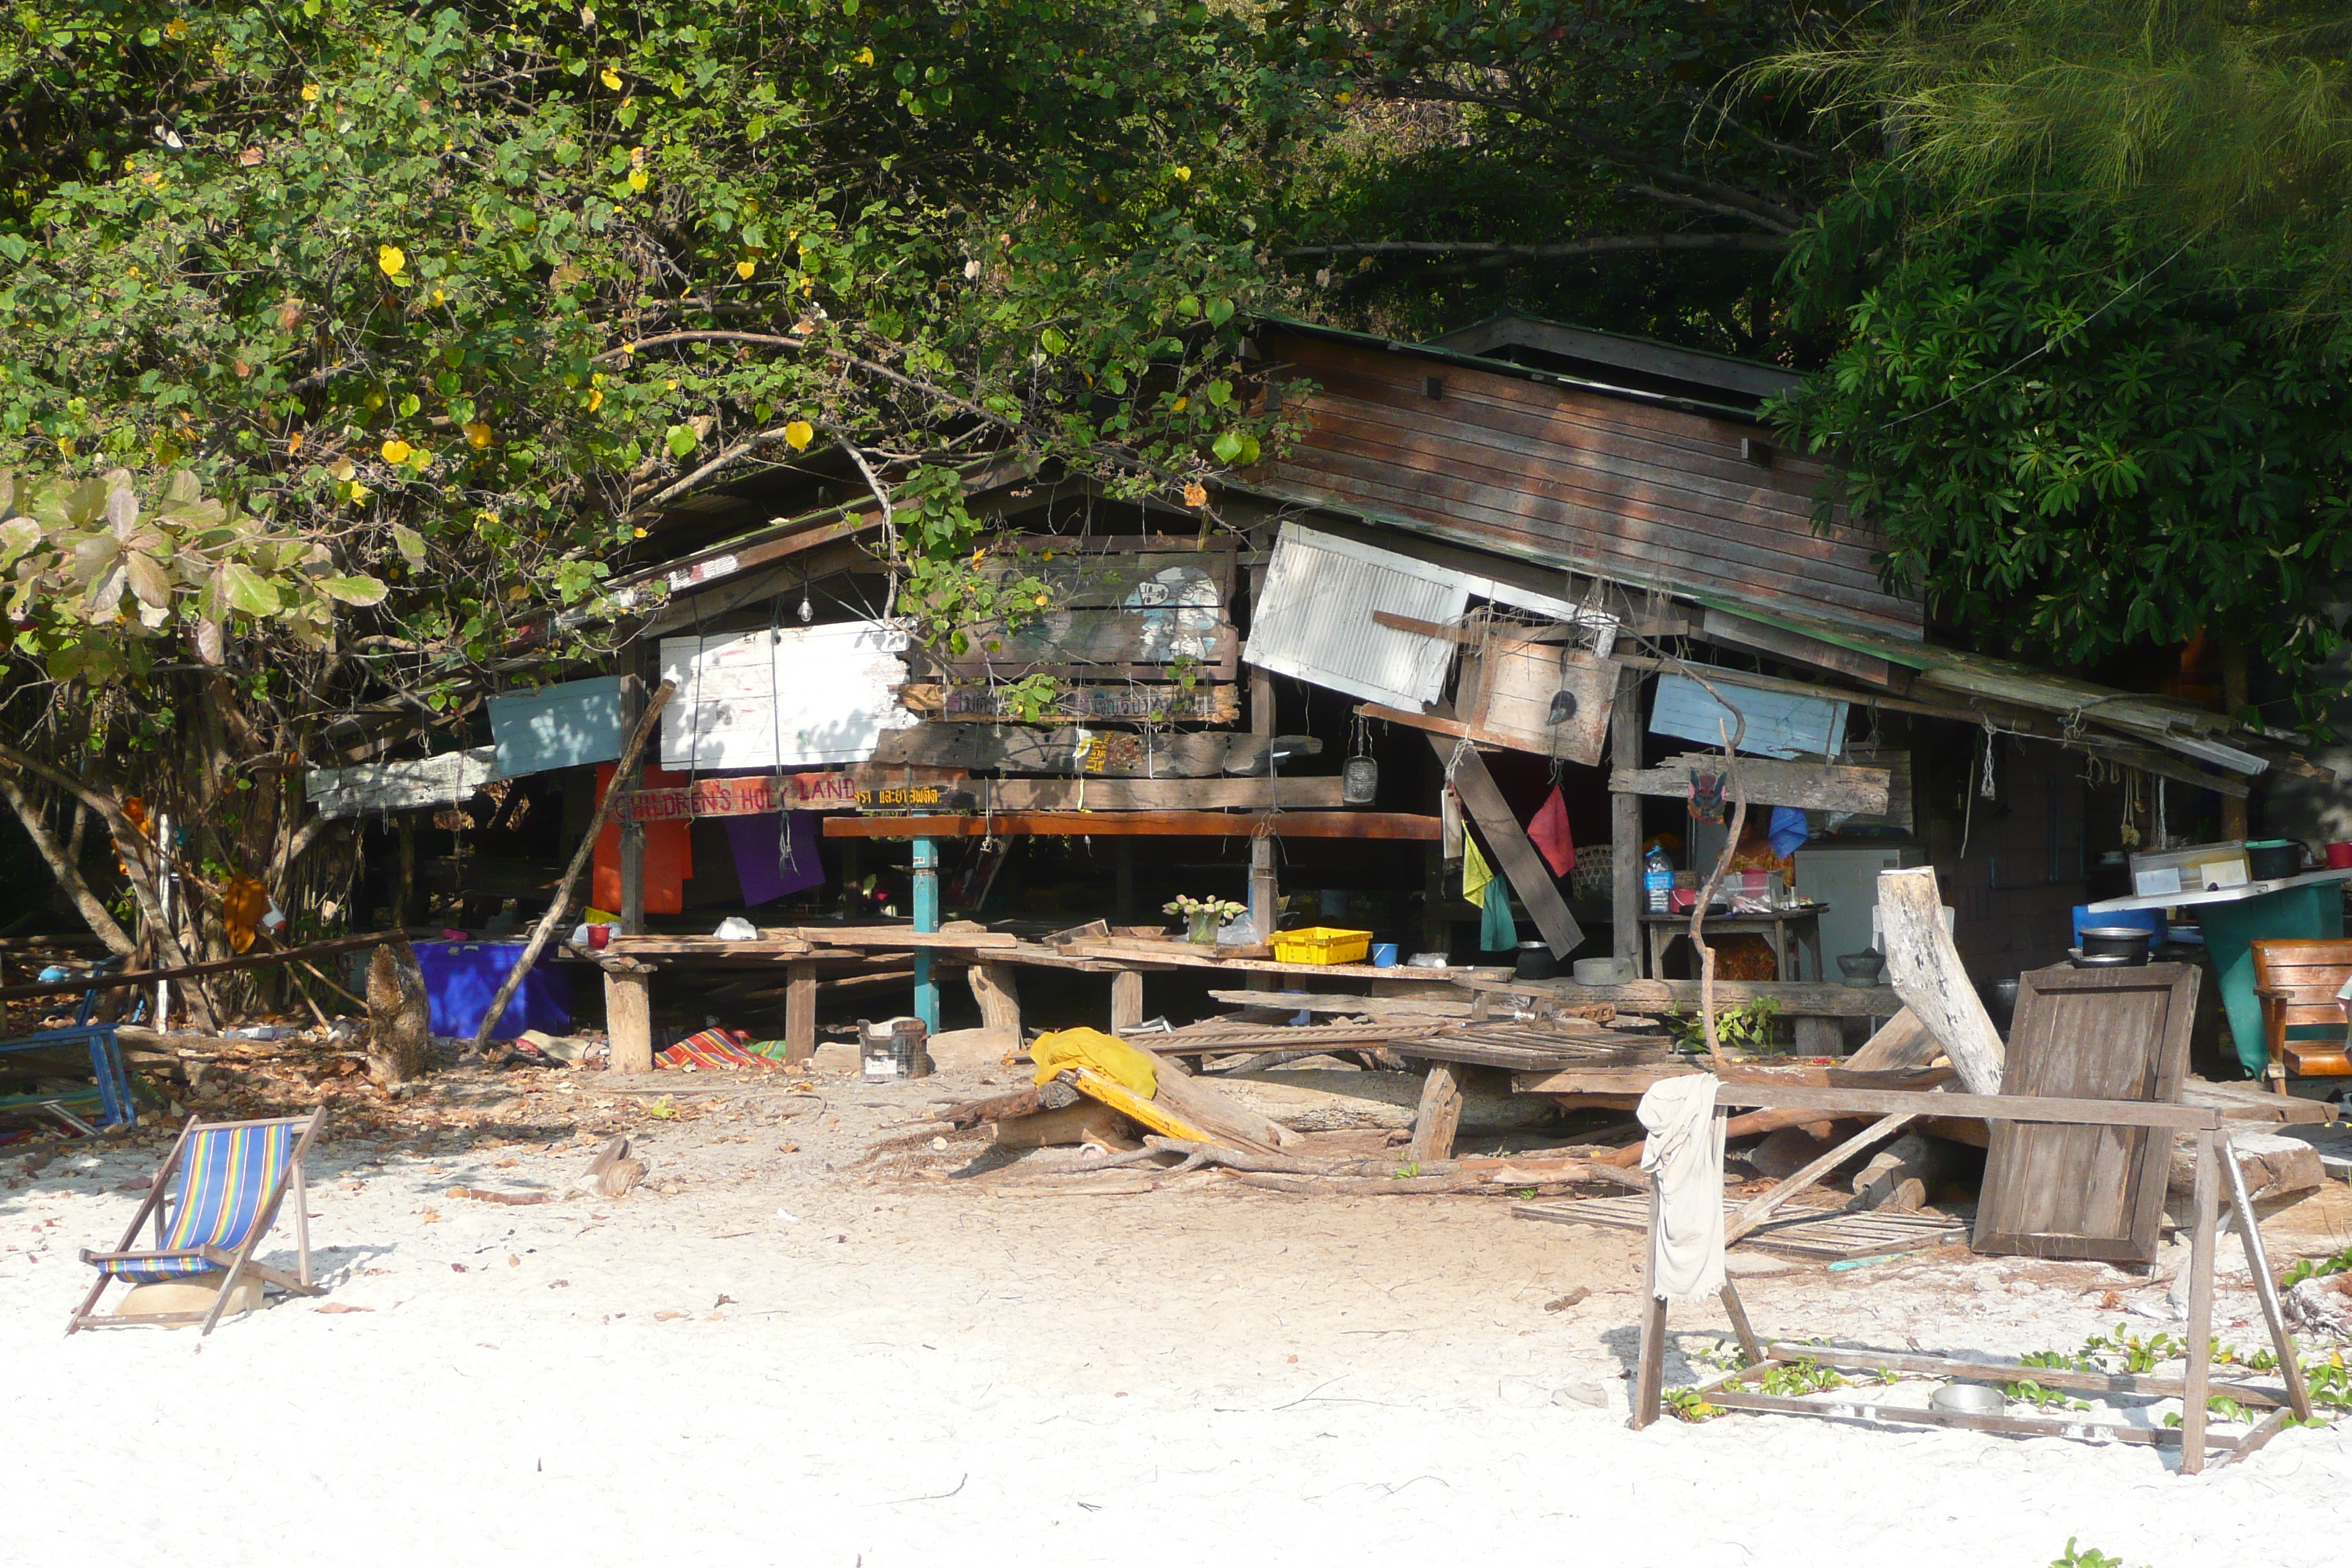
911 1373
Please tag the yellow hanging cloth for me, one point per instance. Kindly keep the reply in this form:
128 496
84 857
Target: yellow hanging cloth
1107 1054
1474 872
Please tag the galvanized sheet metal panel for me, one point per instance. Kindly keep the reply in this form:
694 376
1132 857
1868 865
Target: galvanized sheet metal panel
369 787
1314 620
565 726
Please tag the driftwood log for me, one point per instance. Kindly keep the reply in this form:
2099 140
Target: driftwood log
1926 970
1055 1096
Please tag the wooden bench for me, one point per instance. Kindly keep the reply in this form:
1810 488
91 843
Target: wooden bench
2296 981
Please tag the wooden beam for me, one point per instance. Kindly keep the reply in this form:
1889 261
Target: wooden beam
1436 724
215 966
1803 998
1519 862
1719 627
1155 795
1816 786
1374 824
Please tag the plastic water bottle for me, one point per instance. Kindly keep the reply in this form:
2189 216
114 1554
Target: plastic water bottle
1658 878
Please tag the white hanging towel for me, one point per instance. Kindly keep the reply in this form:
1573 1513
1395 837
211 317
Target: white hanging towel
1684 1156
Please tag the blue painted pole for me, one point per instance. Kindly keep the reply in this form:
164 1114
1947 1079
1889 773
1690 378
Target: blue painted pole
927 918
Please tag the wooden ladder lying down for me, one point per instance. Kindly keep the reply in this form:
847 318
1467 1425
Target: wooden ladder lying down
2292 1399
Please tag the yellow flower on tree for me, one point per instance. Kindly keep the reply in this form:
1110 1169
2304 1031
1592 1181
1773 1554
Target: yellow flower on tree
745 267
864 57
396 450
477 435
392 259
610 78
595 398
799 434
639 179
294 442
309 92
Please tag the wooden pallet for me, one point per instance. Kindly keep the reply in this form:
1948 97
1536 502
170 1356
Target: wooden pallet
1824 1236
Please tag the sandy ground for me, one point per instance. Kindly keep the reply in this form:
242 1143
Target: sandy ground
773 1353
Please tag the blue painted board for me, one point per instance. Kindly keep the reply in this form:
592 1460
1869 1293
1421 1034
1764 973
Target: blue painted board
565 726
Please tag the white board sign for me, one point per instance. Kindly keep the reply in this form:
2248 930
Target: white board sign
787 698
1780 725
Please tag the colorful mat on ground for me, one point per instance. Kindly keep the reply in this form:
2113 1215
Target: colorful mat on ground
716 1048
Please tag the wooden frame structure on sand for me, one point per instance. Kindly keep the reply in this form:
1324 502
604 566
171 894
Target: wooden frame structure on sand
2193 1389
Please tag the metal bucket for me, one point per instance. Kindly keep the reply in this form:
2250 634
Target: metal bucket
1359 781
894 1048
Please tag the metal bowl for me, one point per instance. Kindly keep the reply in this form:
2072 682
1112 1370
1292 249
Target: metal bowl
1968 1399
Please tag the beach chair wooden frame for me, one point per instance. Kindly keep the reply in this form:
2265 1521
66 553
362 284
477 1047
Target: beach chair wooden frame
238 1262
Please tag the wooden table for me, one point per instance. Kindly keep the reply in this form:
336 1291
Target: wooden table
1773 928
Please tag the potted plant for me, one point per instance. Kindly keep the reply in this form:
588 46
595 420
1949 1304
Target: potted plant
1202 916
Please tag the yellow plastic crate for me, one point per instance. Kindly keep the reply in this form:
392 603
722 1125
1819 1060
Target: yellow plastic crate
1322 945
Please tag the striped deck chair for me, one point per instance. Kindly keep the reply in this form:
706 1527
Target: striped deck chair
225 1181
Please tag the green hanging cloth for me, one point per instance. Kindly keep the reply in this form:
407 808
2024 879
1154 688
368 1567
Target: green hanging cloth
1498 931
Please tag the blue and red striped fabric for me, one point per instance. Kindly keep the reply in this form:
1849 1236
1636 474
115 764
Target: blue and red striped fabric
225 1178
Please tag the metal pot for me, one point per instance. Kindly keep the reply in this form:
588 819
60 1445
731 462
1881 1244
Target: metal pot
1535 961
2129 943
1359 781
1999 998
2270 860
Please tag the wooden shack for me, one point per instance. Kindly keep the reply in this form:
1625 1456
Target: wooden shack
1530 571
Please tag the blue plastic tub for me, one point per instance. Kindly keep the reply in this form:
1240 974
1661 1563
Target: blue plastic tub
460 978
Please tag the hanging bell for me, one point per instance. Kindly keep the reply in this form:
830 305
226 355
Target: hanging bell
1359 781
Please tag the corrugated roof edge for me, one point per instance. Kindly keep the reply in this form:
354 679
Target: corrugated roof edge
1438 355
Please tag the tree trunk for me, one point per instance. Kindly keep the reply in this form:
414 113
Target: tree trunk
63 865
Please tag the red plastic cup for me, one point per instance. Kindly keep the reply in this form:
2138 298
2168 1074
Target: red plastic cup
599 935
2339 857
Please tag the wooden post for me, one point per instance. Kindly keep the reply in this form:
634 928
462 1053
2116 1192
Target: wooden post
1439 1116
1650 1370
1126 1000
403 892
1736 1309
1265 902
2200 1303
1625 898
633 833
629 1015
1436 936
2233 702
2298 1391
993 986
927 918
1925 969
800 1012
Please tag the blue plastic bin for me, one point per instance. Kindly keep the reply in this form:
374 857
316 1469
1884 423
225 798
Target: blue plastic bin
460 978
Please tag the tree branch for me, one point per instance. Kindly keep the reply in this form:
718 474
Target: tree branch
1602 245
765 339
67 871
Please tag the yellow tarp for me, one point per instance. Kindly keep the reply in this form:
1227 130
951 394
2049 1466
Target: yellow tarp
1107 1054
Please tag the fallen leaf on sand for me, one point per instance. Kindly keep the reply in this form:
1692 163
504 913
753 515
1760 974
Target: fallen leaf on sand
666 1317
342 1307
1562 1303
457 1268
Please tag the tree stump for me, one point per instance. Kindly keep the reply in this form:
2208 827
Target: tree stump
400 1027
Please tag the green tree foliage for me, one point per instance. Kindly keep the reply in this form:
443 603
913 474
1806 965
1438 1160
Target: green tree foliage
2219 121
1579 161
2079 444
453 299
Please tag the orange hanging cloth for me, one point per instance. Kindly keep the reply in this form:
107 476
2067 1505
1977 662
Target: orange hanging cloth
1550 835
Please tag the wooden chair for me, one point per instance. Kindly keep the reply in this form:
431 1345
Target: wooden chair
2296 980
214 1197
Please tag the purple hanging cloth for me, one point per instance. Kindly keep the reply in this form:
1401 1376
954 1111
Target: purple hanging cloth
761 869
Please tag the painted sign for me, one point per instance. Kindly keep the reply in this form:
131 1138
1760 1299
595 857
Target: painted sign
766 794
784 698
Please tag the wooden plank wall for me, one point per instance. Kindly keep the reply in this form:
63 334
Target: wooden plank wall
1612 486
